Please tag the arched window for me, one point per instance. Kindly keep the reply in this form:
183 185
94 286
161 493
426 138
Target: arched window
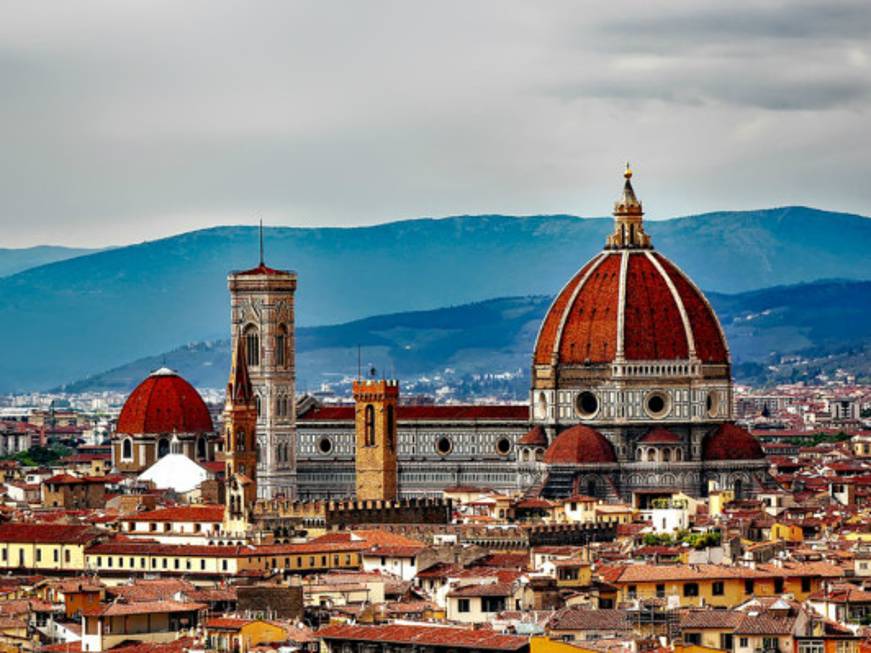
201 448
162 447
369 425
240 440
281 346
127 449
651 455
391 427
678 455
666 455
252 345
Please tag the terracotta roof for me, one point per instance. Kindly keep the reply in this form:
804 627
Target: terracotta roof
205 513
367 537
586 619
581 325
701 619
47 533
482 589
164 403
69 479
660 435
143 607
227 623
389 551
432 412
262 269
765 624
579 444
149 589
731 442
531 503
176 646
438 636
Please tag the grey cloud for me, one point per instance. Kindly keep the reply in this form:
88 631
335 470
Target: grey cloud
123 121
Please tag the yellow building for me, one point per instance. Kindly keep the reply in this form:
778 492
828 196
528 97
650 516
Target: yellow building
146 621
131 557
239 635
614 513
720 585
717 499
786 532
541 644
45 547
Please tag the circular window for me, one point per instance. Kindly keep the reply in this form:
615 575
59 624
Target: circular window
444 446
503 446
587 404
325 445
657 404
712 403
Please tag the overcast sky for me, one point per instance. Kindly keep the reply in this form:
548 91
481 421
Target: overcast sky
126 121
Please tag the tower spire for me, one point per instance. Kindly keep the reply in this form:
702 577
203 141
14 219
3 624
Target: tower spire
628 223
239 388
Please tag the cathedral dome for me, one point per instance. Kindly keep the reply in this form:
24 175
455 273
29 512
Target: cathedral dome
579 445
629 303
731 442
660 435
635 304
164 403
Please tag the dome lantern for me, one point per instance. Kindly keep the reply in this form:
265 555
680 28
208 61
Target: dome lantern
628 224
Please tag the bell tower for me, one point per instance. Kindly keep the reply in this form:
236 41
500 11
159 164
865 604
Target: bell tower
375 438
240 429
262 313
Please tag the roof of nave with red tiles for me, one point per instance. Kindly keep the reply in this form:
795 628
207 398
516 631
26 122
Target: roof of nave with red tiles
435 412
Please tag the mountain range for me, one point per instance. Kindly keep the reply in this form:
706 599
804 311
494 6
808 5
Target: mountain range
13 261
78 317
807 322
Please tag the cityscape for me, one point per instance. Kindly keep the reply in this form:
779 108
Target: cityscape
520 430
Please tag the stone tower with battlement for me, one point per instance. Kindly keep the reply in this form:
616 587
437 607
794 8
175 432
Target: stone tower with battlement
262 313
375 438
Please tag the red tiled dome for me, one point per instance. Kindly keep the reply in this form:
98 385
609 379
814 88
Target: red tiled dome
664 315
534 437
730 442
660 435
164 403
579 445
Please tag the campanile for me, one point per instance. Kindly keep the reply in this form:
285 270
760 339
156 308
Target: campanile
262 312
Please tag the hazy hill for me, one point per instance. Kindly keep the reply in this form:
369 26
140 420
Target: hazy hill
815 320
66 320
17 260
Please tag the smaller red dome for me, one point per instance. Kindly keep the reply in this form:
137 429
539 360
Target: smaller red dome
660 435
579 445
536 437
164 403
730 442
